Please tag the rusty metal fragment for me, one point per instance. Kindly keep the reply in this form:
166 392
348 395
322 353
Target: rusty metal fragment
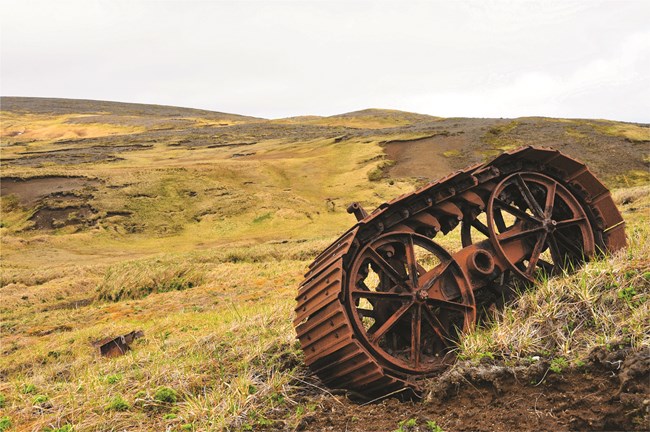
117 346
384 305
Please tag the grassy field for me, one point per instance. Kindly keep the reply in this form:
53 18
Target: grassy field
196 228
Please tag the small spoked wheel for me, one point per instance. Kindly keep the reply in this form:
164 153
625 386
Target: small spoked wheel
535 223
409 301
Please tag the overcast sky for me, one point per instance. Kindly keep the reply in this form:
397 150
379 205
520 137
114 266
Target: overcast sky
588 59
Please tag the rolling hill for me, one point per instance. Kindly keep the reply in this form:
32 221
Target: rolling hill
196 227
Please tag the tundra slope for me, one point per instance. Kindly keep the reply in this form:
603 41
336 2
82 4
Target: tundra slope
196 227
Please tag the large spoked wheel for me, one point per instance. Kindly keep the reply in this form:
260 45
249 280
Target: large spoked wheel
535 222
409 301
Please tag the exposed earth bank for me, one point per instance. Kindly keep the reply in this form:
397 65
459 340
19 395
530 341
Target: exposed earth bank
609 392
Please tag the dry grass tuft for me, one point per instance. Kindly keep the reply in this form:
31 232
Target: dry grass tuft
605 302
631 132
138 279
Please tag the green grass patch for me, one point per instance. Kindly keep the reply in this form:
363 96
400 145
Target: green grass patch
64 428
5 423
166 395
558 365
574 133
28 389
40 399
114 379
631 132
501 137
432 426
408 425
379 171
633 178
117 403
262 218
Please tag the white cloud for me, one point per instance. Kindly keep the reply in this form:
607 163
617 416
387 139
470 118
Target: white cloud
616 87
273 58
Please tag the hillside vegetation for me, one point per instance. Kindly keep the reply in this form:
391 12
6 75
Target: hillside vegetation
196 227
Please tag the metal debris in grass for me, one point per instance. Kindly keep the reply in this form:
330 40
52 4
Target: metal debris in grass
117 346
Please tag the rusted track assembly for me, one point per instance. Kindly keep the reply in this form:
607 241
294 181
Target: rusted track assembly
384 305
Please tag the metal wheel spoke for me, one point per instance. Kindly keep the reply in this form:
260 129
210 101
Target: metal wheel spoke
411 263
550 200
518 213
569 222
362 286
460 307
498 220
416 327
373 328
437 326
386 267
390 322
435 279
547 266
481 227
555 251
513 234
568 244
381 295
537 252
528 196
366 312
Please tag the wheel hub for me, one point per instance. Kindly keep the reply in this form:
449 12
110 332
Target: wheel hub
549 225
409 300
530 213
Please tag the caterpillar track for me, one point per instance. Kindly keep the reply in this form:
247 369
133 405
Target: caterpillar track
383 306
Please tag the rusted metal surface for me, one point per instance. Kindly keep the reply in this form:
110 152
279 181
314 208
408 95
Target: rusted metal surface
385 304
534 214
117 346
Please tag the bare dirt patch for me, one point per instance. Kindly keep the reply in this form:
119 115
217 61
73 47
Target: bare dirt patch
30 190
56 201
48 218
611 392
470 141
433 156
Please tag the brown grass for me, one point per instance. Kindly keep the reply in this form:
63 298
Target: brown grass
204 251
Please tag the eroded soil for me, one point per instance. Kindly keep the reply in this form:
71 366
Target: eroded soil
57 201
457 143
425 157
610 392
31 190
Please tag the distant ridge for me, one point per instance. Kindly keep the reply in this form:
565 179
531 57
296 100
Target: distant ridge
379 112
370 118
62 106
37 105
